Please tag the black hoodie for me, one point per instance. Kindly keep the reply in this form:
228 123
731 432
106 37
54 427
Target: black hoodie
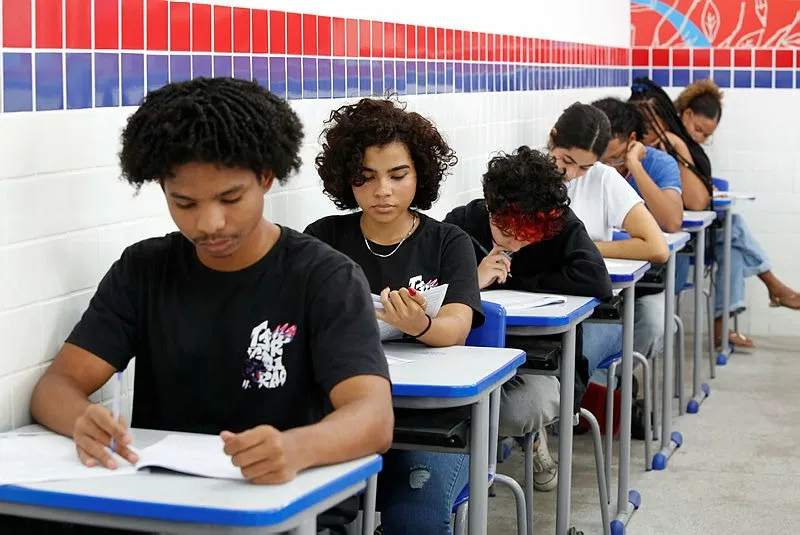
569 263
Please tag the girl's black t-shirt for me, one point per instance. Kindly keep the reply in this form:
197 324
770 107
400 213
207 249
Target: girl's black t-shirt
435 254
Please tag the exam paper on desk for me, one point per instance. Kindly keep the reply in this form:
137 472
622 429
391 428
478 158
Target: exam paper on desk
518 300
36 457
50 457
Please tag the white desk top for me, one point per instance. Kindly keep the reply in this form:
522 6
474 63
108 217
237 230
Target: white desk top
694 221
677 240
546 316
447 372
181 498
623 270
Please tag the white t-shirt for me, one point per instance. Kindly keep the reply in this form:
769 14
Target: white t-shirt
602 199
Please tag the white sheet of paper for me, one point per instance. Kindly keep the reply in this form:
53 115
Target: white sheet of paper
36 457
396 361
613 264
733 195
199 455
433 302
521 301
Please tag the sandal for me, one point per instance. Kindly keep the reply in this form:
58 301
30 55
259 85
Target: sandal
736 340
789 300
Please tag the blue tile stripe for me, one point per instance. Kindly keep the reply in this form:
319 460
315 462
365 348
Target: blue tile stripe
725 77
85 79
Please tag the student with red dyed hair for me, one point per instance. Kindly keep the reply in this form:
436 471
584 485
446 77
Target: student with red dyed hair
527 238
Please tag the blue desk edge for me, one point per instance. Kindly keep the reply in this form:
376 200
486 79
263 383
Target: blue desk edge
630 277
187 513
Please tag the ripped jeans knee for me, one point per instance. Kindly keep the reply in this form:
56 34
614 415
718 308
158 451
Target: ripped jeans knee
418 476
417 490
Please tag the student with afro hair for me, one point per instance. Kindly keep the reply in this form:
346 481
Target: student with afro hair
239 326
384 164
526 237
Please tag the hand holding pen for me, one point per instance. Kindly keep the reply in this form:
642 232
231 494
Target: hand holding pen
98 432
494 268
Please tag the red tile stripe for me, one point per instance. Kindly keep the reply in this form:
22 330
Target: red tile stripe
182 27
720 58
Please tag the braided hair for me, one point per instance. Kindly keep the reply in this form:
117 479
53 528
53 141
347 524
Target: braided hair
654 103
222 121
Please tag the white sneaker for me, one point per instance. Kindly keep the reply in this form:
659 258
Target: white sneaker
545 469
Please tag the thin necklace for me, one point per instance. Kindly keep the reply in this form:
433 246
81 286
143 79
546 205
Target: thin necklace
366 241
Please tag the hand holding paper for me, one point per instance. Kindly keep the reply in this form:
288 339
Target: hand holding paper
405 310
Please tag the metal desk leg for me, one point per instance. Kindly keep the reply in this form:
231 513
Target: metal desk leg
670 440
722 358
478 464
368 521
627 500
308 527
566 418
494 429
699 391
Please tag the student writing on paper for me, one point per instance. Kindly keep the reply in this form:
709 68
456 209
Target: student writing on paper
603 201
386 164
240 327
525 212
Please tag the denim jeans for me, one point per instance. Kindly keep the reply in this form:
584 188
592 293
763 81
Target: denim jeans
417 490
600 341
747 259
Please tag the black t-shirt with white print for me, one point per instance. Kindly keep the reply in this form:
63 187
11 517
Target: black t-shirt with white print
233 350
435 254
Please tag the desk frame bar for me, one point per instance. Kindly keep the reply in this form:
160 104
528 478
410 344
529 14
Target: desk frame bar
566 417
726 283
478 464
668 445
624 507
698 394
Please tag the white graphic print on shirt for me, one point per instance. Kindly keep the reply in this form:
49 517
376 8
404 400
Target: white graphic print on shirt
419 285
263 367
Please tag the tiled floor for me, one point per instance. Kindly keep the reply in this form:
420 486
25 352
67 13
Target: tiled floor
736 473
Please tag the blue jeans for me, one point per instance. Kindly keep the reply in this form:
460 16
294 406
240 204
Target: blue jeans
747 259
606 339
417 490
600 341
682 267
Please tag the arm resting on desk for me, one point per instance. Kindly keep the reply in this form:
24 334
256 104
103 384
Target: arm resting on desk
62 394
646 243
60 402
450 327
361 424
